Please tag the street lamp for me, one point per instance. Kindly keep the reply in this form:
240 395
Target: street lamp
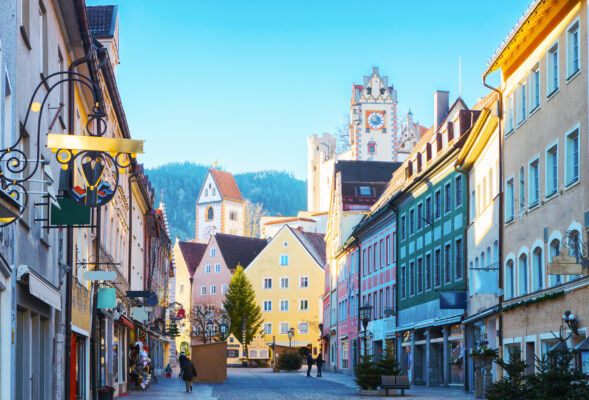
365 314
570 320
223 327
290 335
210 328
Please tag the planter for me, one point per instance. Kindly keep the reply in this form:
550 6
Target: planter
371 392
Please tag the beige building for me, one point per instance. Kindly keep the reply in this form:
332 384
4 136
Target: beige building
543 64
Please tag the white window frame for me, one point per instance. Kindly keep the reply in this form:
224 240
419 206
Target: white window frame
522 102
267 303
533 94
281 303
217 268
213 251
574 25
301 303
267 328
282 280
300 282
550 174
283 331
283 260
207 268
203 290
264 283
301 332
534 187
224 288
567 178
550 89
510 114
213 289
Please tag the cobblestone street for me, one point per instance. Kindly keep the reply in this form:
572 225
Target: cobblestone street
263 384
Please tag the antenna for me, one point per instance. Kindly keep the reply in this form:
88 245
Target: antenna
459 77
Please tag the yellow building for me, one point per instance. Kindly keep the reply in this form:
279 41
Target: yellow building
288 279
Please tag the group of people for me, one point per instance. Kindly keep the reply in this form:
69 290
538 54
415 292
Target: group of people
311 361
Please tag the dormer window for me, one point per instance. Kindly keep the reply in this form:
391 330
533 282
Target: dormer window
409 169
450 131
368 90
364 191
428 151
418 161
382 90
439 142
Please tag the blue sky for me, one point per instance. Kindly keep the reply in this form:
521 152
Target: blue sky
244 83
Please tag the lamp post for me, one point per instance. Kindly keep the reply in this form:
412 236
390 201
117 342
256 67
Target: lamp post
569 320
210 329
290 335
365 313
223 327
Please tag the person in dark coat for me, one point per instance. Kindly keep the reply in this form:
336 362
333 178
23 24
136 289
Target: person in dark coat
319 362
309 363
188 373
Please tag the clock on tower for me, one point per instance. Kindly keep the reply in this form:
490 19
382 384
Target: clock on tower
375 119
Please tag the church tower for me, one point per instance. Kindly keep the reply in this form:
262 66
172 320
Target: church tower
220 208
373 119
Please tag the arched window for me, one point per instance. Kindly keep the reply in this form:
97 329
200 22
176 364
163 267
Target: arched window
489 259
210 213
523 275
483 265
553 252
371 147
509 280
537 269
496 253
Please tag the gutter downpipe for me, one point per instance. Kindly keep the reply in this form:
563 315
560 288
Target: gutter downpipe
70 240
501 212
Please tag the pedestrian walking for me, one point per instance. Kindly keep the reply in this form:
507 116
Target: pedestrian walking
182 359
309 363
188 373
319 362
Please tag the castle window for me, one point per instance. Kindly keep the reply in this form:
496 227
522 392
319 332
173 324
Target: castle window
233 215
210 213
372 147
381 90
368 90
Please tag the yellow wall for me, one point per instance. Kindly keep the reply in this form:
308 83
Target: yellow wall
184 297
301 263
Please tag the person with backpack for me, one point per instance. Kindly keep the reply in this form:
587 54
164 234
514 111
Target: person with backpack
188 373
309 363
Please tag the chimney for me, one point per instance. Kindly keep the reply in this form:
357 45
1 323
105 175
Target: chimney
441 106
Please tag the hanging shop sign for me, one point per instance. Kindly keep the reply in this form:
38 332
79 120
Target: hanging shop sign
107 298
100 276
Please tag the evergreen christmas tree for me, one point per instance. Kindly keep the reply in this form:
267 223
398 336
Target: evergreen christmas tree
388 364
173 330
240 304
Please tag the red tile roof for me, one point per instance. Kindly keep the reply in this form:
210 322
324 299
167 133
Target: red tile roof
239 250
192 253
226 184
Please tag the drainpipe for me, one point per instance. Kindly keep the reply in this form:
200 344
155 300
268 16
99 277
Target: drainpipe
501 212
70 240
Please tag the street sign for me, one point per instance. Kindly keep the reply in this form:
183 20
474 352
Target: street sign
107 298
100 275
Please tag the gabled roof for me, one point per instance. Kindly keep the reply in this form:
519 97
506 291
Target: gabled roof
102 21
192 253
365 171
314 243
226 184
239 250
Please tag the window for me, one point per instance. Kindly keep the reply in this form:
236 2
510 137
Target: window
203 290
522 103
267 283
208 269
344 354
554 251
572 157
369 259
537 269
394 248
419 275
447 258
283 305
522 185
371 147
304 305
283 328
267 328
411 278
510 118
458 256
534 88
402 227
428 210
438 204
458 190
267 305
437 262
213 289
403 280
217 268
534 183
381 253
364 191
304 282
213 251
283 259
552 73
509 201
303 328
523 275
224 289
232 215
551 170
419 216
411 221
387 250
448 199
509 280
43 40
428 271
210 214
284 283
573 49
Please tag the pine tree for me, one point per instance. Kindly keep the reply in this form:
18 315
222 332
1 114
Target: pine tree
388 364
173 330
240 304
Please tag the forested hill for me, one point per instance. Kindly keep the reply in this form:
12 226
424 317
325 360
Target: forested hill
279 193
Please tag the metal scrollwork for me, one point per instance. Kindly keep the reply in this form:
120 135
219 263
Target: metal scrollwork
573 240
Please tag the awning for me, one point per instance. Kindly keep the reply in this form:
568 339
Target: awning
125 321
481 315
39 287
428 323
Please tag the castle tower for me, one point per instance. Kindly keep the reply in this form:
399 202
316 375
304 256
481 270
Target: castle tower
220 208
373 119
319 150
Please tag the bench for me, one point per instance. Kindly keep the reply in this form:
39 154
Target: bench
394 382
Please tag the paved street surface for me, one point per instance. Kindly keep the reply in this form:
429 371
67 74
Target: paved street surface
263 384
